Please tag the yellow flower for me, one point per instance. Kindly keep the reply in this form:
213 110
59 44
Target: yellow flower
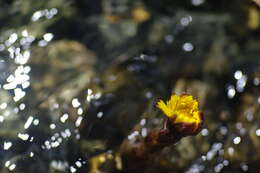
183 113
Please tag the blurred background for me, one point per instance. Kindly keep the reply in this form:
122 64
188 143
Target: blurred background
76 76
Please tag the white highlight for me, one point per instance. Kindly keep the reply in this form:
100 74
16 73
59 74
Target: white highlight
22 106
52 126
25 33
7 145
72 169
13 37
1 118
99 114
237 140
75 103
12 167
78 164
7 163
64 117
238 74
37 15
3 105
257 132
185 21
197 2
36 122
78 121
18 94
48 37
231 91
80 111
188 47
204 132
23 136
28 122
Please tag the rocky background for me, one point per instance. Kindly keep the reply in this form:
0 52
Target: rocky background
77 78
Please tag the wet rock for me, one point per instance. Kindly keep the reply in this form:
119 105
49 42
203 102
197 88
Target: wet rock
65 60
201 90
112 116
245 131
253 17
217 61
190 45
118 33
114 78
10 122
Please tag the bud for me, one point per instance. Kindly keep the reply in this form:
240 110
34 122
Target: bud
183 114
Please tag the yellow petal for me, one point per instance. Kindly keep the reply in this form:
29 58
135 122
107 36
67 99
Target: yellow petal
172 103
166 110
183 108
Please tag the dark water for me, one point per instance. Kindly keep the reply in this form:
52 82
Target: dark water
76 77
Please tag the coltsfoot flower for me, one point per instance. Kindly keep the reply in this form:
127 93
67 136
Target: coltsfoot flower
183 119
183 113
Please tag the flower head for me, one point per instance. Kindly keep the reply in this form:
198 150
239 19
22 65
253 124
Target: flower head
183 113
